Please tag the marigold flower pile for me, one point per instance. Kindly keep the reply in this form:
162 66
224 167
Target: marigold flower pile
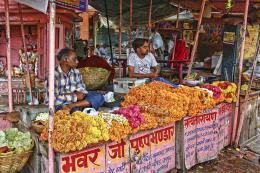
76 131
144 107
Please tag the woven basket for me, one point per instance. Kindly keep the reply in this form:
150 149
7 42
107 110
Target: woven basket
13 117
37 127
12 162
94 78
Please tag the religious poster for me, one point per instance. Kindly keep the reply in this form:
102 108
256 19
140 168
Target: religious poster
163 149
117 157
251 40
88 160
229 37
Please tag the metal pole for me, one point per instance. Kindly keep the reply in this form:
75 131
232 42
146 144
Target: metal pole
8 53
237 131
51 82
150 16
175 36
120 29
178 14
25 52
109 37
196 37
131 23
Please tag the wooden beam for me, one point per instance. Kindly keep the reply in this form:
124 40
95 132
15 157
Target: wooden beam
240 68
196 37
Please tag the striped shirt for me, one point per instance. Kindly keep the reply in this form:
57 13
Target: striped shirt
65 84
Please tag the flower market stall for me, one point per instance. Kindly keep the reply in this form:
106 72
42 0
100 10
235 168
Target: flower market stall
145 134
157 128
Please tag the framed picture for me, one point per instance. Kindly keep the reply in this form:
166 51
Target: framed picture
3 64
229 38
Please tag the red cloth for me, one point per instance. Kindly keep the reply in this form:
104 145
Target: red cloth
181 53
97 61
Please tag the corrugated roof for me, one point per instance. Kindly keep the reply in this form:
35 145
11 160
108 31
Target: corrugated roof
161 9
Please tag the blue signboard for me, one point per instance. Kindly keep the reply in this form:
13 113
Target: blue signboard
80 5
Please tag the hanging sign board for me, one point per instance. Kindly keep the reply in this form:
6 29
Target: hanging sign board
80 5
40 5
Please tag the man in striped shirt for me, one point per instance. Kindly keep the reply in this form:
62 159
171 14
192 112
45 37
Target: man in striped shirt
70 90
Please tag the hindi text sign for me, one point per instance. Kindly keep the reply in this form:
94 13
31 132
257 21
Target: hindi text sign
140 152
88 160
117 157
163 149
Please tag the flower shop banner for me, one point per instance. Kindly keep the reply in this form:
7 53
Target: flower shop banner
205 135
144 152
74 4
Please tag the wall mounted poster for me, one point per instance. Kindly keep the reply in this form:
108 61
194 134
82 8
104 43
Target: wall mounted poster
229 38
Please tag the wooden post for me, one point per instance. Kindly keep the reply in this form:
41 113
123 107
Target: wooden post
8 53
109 36
196 37
51 83
240 68
25 52
244 105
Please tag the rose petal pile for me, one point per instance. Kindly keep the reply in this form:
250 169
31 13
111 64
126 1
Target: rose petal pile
228 90
133 115
215 89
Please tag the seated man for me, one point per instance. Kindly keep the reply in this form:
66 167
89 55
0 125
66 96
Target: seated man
142 64
70 91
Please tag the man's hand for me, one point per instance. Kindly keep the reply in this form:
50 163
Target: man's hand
153 75
80 95
67 107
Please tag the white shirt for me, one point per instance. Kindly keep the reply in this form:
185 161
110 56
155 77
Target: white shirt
170 46
142 66
103 51
157 41
96 52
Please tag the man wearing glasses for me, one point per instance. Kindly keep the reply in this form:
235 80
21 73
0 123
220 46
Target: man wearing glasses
70 91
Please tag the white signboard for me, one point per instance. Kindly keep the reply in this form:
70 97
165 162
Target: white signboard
40 5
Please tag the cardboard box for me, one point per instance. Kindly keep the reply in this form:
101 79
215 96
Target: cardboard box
123 85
